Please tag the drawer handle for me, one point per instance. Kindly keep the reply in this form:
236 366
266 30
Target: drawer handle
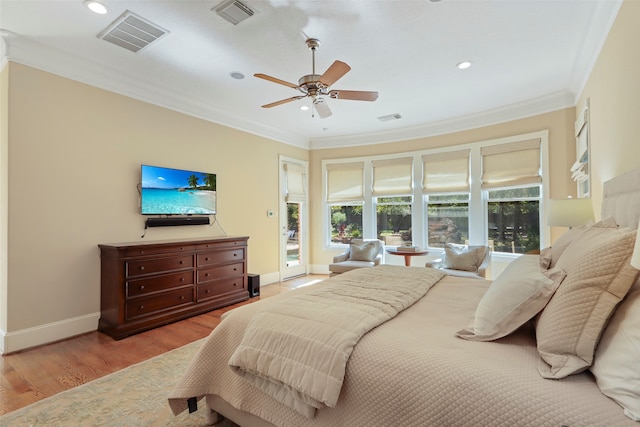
234 269
235 284
206 274
142 268
181 262
207 291
206 258
142 287
182 279
182 297
235 254
141 307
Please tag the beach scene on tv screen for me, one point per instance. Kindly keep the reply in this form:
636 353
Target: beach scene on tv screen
177 192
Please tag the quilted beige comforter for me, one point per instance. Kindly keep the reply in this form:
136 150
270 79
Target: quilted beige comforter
409 371
296 350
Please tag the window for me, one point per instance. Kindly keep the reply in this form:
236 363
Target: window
445 181
393 216
447 219
346 223
514 219
485 192
345 196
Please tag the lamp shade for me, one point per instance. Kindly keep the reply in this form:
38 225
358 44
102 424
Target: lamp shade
635 258
569 212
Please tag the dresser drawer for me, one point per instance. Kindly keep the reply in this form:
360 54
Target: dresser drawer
158 283
157 265
230 270
168 300
219 287
221 245
155 250
219 257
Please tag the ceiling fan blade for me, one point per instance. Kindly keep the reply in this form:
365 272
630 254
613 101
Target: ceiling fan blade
333 73
283 101
322 108
275 80
356 95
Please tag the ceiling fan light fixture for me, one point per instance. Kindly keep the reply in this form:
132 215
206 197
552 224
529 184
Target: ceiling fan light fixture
236 75
463 65
304 108
96 7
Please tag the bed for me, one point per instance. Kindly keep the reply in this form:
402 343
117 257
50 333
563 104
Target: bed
563 351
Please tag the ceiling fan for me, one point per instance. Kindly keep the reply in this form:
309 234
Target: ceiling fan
316 86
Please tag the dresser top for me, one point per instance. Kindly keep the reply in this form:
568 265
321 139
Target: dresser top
174 241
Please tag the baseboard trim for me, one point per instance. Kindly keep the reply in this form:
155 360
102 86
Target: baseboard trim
50 332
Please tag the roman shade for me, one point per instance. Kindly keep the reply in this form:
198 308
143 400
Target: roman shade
515 163
393 177
345 182
446 172
296 180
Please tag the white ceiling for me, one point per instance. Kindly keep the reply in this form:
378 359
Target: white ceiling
529 57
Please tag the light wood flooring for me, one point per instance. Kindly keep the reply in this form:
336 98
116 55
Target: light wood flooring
30 375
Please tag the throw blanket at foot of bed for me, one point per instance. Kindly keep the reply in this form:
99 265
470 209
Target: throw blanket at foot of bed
297 349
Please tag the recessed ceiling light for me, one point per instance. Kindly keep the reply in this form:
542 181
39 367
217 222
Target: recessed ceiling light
463 65
237 75
96 6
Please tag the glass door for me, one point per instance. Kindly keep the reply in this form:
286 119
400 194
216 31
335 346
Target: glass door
293 220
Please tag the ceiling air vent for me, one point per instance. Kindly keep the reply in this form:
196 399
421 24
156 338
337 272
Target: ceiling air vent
132 32
388 117
234 11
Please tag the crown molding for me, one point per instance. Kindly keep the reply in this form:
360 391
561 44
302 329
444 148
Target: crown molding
27 52
544 104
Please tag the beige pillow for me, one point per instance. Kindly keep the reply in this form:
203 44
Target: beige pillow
553 253
461 257
616 365
366 251
514 298
598 277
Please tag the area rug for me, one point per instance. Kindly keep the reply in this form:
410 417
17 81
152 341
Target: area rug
133 397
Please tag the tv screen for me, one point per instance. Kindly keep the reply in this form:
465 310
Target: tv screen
168 191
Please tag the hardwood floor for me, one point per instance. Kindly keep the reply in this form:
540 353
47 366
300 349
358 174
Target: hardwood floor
34 374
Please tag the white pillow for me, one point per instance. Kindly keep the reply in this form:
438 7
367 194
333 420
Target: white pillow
461 257
365 252
514 298
616 364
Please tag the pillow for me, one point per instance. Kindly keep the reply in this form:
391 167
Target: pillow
514 298
616 365
554 252
462 257
598 277
366 251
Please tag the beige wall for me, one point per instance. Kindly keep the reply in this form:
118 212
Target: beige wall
561 156
74 156
613 90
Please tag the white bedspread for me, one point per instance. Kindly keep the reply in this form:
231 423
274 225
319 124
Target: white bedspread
297 349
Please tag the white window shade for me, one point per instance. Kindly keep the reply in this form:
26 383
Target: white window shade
296 182
345 182
580 169
507 165
446 172
393 177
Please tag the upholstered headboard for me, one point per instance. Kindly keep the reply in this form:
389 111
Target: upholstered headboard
621 199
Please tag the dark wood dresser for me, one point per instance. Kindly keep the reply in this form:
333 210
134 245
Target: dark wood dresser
145 285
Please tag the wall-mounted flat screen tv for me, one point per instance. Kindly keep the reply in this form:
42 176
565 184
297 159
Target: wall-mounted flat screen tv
168 191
